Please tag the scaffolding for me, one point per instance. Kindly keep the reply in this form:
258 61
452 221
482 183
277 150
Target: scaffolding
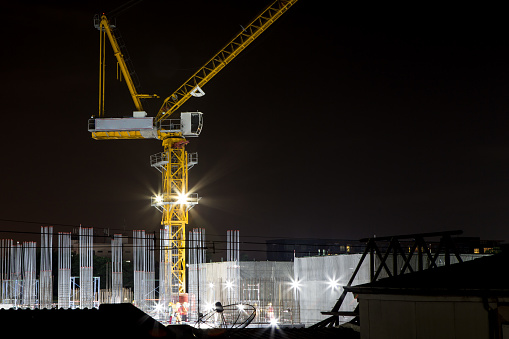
265 285
76 291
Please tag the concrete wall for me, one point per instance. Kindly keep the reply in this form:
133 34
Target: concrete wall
321 283
262 284
318 275
250 272
416 317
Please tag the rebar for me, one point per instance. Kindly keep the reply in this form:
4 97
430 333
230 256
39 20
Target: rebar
29 289
138 267
116 269
144 270
165 263
5 271
45 276
197 272
64 270
86 267
233 270
16 282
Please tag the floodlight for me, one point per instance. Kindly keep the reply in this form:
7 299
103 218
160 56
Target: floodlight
159 307
295 283
159 199
334 284
182 198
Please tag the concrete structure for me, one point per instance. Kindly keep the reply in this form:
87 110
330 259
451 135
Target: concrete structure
263 284
468 300
320 282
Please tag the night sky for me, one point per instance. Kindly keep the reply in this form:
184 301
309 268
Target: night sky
341 121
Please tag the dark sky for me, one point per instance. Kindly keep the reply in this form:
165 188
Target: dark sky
341 121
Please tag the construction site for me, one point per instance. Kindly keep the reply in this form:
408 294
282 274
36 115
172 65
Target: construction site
288 293
169 280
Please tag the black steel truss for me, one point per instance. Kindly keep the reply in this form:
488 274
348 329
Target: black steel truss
384 248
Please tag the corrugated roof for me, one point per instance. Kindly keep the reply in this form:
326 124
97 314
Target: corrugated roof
126 321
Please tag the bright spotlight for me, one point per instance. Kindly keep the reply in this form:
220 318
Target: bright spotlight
159 307
182 198
240 307
159 199
296 284
273 322
229 284
211 285
334 284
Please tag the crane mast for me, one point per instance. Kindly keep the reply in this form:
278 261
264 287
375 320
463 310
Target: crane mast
175 200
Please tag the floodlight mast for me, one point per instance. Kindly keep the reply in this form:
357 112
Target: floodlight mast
174 162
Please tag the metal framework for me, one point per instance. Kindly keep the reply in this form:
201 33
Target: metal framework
116 269
175 200
45 276
165 264
392 255
29 274
16 275
197 273
144 270
64 270
123 62
6 251
233 270
86 236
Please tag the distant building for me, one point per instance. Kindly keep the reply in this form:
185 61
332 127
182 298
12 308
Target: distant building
287 249
476 245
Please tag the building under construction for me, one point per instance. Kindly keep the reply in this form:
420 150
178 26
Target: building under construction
292 293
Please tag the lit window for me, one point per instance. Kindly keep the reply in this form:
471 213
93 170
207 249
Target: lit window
476 250
348 248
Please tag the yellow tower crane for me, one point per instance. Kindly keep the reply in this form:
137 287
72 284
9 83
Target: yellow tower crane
174 162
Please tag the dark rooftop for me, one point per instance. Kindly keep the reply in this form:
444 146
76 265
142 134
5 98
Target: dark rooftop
483 276
126 321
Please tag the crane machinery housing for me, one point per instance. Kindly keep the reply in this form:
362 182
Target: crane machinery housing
174 162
